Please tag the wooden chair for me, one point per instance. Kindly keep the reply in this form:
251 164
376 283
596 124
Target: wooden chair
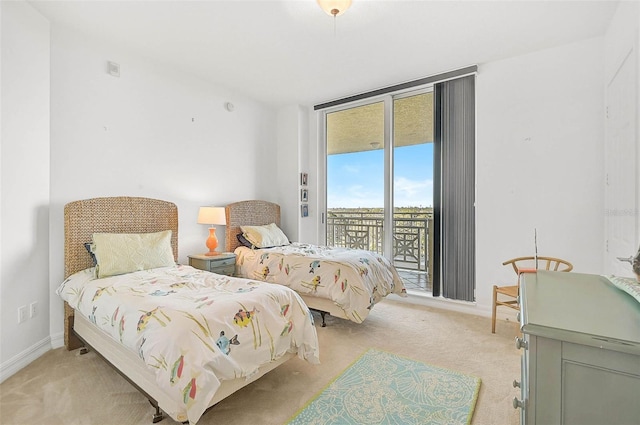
521 265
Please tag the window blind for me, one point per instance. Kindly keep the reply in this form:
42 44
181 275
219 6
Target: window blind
454 188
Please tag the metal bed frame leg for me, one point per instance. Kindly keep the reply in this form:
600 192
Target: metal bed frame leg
323 314
158 416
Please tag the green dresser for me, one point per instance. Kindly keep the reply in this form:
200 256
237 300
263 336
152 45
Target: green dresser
581 351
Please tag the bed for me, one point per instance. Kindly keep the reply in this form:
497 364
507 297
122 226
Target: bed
344 283
186 338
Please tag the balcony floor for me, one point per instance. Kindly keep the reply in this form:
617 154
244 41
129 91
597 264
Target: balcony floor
415 279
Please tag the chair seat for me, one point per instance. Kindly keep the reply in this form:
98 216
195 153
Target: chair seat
521 265
511 291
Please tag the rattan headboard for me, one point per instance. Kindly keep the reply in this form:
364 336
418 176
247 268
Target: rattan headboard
248 213
113 215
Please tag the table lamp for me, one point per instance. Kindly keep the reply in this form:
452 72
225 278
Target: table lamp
212 216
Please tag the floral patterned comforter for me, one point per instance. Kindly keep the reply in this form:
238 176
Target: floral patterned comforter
195 328
353 279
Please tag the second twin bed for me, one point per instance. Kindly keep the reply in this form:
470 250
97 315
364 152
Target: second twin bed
343 282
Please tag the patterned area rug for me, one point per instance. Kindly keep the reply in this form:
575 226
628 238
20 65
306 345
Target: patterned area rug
382 388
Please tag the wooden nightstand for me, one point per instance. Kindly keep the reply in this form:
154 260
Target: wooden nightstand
223 263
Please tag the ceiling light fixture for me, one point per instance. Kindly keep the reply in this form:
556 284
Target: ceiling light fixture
334 7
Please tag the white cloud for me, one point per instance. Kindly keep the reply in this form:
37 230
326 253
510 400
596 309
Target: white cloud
407 193
413 193
351 169
355 196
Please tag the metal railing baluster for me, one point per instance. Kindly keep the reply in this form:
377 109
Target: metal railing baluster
363 228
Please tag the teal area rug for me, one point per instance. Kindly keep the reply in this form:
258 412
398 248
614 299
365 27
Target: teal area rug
382 388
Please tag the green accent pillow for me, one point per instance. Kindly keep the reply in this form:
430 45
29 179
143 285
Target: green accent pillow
266 236
120 253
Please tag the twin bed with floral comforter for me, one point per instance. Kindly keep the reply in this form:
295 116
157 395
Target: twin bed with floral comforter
186 338
343 282
195 328
353 279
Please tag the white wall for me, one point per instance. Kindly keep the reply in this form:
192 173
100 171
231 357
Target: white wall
24 170
152 132
538 161
307 226
540 132
293 159
288 170
622 41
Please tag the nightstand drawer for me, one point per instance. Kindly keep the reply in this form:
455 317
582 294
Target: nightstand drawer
227 270
224 263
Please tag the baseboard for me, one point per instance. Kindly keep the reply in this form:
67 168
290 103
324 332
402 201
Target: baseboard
57 340
423 298
20 360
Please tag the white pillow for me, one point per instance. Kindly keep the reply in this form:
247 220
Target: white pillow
119 253
265 236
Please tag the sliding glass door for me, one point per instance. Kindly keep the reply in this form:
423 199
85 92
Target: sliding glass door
355 177
413 187
379 174
400 179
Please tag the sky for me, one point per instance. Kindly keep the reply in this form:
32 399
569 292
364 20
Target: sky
356 180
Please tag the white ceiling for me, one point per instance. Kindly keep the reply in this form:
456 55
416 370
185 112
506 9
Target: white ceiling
286 52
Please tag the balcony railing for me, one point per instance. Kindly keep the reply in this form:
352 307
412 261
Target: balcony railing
362 228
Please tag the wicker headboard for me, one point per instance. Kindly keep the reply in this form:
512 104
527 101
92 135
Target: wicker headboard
113 215
248 213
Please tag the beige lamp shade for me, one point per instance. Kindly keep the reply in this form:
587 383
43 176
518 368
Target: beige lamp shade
212 216
334 7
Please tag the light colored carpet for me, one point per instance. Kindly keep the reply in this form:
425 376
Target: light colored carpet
381 388
63 387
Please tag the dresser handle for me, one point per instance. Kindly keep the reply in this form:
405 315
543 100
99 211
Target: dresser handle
516 384
521 343
517 403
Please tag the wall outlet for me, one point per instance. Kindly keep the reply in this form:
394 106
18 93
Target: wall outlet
114 68
22 314
33 309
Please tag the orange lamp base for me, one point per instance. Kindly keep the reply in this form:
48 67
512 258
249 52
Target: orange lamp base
212 242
